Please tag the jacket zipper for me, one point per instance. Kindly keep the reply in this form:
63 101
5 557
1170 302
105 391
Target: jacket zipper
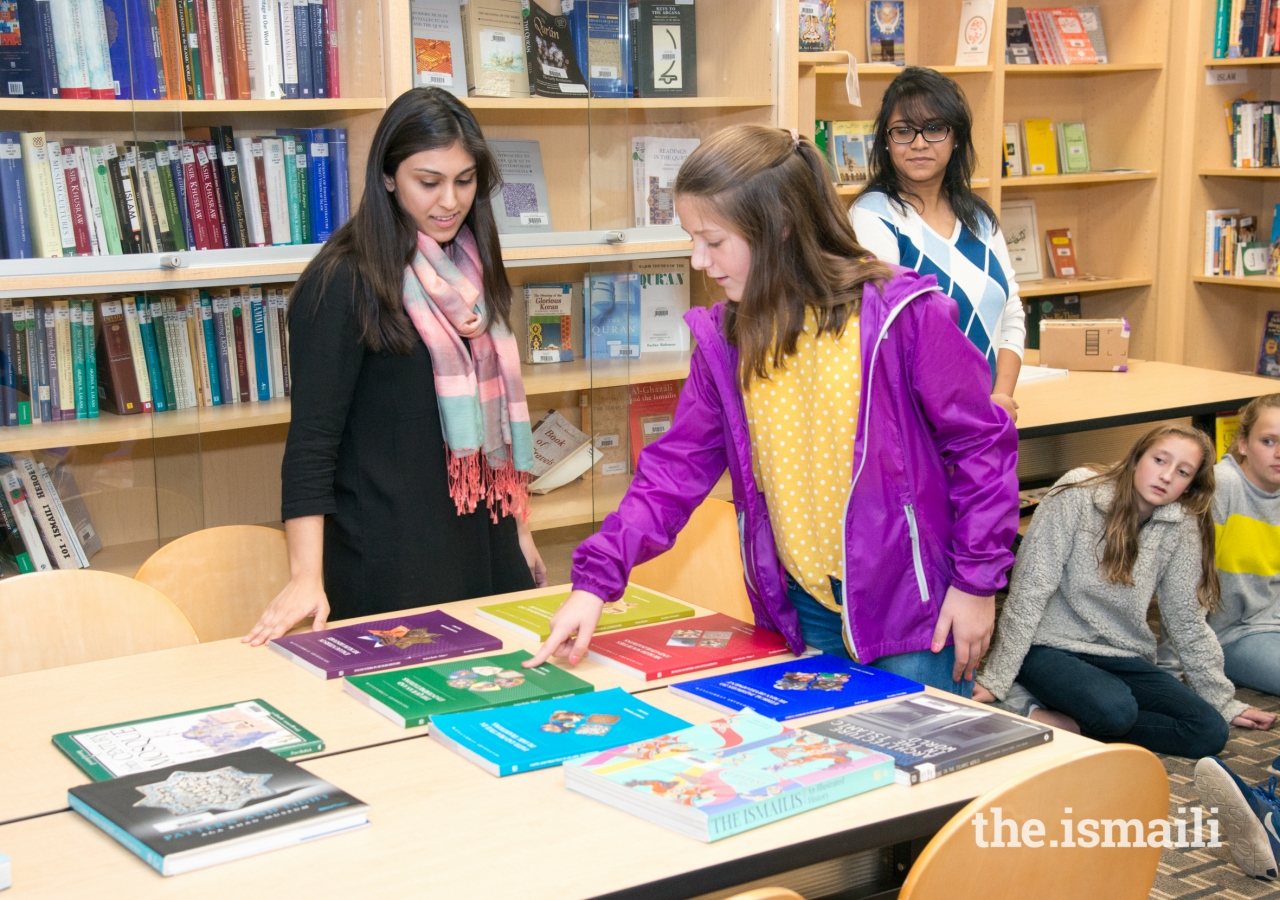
915 552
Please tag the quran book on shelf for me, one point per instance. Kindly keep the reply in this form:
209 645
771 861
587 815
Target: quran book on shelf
612 321
549 316
513 739
531 618
886 32
731 775
673 648
494 34
803 687
561 453
817 25
439 52
651 413
410 697
973 43
549 53
141 745
664 299
207 811
385 644
929 737
521 205
664 49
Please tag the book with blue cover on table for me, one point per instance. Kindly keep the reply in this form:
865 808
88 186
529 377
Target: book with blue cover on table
801 687
515 739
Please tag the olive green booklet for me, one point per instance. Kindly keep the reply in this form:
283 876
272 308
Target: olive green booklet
410 697
532 617
145 744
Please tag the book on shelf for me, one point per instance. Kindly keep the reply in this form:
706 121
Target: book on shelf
1245 29
728 776
545 733
521 204
817 26
655 162
561 453
602 43
1041 146
673 648
15 237
1073 148
1014 166
973 43
1059 306
1254 257
385 644
651 413
664 48
410 697
886 32
850 150
1252 129
39 530
928 737
1269 352
549 316
1219 232
141 745
20 521
1226 425
1019 49
27 54
242 803
549 53
664 299
493 31
612 319
803 687
439 52
1091 19
531 618
1022 238
1064 35
610 429
1061 251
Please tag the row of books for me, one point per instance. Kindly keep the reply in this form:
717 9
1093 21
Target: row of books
1022 237
847 147
44 523
212 191
1255 142
1243 28
556 48
1057 35
1045 147
886 30
170 49
1233 244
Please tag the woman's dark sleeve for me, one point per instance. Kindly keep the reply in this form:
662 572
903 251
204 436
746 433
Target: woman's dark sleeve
325 355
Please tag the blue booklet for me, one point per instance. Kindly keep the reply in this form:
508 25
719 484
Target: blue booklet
613 315
514 739
801 687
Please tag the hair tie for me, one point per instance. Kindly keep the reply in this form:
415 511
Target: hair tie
795 139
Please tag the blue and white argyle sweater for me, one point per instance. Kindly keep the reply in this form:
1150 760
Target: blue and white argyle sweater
972 269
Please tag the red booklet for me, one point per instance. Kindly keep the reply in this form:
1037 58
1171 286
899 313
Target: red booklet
686 645
652 410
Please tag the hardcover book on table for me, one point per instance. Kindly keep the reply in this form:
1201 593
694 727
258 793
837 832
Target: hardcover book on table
707 642
929 737
802 687
531 618
185 817
410 697
728 776
538 735
141 745
384 644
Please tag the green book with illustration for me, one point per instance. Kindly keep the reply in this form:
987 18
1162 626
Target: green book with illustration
410 697
111 751
532 617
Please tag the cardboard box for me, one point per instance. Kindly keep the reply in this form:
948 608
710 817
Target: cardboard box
1085 345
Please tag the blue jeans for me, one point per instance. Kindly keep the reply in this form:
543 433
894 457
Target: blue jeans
1124 698
1253 661
822 628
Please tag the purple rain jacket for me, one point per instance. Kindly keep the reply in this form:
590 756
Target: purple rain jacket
934 500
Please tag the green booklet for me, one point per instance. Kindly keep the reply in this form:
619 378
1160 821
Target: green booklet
110 751
532 617
410 697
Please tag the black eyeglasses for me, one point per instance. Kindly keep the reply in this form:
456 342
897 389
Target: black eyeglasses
905 134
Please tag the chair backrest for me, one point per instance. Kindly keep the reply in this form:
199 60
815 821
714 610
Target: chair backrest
71 616
704 566
221 578
1123 789
767 893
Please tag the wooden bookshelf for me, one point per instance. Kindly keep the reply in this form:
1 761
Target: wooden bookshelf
1233 172
522 104
1253 282
1048 286
130 107
1042 70
1250 61
1088 178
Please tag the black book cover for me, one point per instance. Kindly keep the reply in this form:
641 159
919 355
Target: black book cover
232 189
664 49
27 61
201 805
549 54
128 213
1018 48
319 36
929 737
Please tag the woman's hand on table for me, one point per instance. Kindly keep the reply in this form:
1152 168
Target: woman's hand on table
537 568
571 629
299 599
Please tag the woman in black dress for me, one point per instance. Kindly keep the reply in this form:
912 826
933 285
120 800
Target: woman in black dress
404 476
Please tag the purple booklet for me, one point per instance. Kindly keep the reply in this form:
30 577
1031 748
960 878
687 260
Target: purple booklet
384 644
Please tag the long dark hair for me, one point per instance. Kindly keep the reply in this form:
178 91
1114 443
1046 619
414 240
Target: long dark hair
923 96
380 238
776 193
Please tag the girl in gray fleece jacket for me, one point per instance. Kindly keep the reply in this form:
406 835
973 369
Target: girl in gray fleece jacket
1074 628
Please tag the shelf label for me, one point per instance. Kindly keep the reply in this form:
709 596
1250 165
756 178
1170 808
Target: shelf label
618 468
10 151
1226 76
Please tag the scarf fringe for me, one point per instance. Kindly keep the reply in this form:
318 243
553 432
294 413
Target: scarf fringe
505 490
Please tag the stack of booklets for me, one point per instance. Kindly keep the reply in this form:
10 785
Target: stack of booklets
384 644
199 813
44 523
531 618
211 191
1058 35
804 687
707 642
126 748
171 49
1231 245
516 739
712 781
410 697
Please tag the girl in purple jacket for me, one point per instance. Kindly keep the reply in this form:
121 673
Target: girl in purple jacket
873 478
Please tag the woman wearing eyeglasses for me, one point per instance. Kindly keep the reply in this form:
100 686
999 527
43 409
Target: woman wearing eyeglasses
919 211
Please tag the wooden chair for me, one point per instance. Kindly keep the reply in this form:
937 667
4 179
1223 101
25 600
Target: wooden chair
767 893
704 566
221 578
1113 782
70 616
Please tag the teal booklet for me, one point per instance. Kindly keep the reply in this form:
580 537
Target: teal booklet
537 735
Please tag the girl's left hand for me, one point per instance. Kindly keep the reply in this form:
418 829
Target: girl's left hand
970 620
1255 719
473 327
537 568
1007 403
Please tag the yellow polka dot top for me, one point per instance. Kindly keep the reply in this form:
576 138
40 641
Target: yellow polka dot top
803 418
